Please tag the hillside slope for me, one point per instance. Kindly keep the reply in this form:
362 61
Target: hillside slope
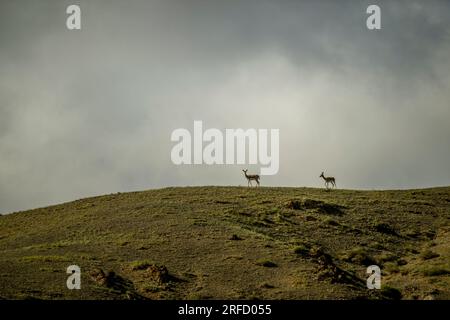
231 243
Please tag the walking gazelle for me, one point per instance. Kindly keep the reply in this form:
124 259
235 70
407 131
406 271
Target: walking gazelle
251 177
328 180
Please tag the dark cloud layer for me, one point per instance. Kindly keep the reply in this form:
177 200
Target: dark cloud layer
91 112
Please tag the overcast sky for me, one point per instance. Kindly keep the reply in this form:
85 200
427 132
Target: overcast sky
91 112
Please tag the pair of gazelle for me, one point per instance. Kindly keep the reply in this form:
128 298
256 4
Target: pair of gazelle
256 177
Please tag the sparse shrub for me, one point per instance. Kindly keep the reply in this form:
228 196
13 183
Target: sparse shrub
331 222
377 245
151 271
267 286
412 249
412 233
355 230
140 265
159 274
273 210
301 250
430 234
235 237
311 204
436 271
322 207
428 254
391 293
359 256
385 228
387 257
331 208
391 267
286 213
266 263
111 280
294 204
401 262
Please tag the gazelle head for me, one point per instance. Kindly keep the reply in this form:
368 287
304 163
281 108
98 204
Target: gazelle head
245 171
321 175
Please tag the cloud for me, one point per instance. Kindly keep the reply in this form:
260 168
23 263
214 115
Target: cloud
91 112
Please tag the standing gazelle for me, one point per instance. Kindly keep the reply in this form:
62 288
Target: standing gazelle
251 177
328 180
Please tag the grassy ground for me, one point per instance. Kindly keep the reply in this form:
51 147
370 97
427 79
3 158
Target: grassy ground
232 243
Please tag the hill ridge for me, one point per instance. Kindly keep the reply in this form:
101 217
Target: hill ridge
233 243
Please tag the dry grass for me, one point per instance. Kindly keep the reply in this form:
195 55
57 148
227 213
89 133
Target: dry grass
213 242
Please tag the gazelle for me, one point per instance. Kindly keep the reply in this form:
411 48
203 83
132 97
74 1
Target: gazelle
251 177
328 180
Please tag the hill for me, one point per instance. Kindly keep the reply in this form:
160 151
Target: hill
231 243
